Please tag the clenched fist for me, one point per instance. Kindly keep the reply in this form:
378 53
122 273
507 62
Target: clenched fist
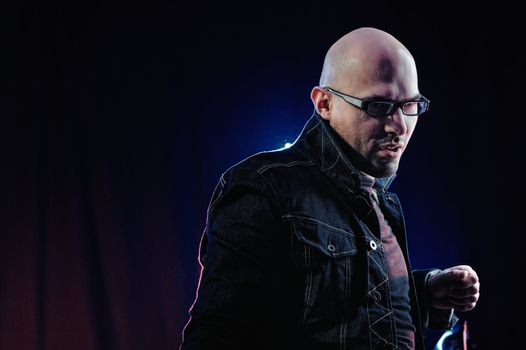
457 287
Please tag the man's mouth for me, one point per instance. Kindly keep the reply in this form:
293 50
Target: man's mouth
391 150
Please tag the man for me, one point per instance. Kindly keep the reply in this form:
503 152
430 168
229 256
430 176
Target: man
304 247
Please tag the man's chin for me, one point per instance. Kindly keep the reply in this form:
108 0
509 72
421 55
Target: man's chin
377 166
383 170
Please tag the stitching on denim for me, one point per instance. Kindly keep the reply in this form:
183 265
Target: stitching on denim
346 306
379 336
291 216
379 284
385 308
308 283
364 227
278 204
211 206
332 166
388 300
323 248
381 318
328 227
307 132
388 311
287 165
314 127
370 253
323 165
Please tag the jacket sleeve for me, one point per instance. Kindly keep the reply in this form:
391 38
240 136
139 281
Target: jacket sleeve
236 253
431 317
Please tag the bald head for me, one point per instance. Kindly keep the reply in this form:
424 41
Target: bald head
365 55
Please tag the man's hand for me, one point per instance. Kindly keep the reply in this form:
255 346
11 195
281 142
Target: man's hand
456 287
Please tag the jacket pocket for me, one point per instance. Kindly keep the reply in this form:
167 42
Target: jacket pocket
331 241
326 256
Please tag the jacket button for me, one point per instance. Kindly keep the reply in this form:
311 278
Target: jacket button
376 295
373 244
331 247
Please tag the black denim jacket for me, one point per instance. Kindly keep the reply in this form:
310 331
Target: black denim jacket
292 259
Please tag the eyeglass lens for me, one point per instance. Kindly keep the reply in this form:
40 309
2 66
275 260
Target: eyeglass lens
381 108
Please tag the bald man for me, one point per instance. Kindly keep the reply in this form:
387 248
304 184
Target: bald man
305 247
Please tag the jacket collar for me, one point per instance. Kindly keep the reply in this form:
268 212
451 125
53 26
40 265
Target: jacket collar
319 141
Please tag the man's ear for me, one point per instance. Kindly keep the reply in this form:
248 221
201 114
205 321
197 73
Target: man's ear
322 102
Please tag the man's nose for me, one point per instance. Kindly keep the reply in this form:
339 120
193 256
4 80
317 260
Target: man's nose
396 123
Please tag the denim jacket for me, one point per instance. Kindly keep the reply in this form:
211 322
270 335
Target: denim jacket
291 256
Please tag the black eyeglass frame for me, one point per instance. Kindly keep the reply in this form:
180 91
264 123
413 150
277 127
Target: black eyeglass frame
364 104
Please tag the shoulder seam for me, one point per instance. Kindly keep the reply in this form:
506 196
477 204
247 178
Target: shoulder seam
286 165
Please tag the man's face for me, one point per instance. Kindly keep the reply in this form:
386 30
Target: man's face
379 141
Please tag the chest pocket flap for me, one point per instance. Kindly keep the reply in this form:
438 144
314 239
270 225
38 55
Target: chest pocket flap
331 241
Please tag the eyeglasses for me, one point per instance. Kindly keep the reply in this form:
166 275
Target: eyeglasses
384 108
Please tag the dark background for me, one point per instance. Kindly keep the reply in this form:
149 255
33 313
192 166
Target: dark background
118 119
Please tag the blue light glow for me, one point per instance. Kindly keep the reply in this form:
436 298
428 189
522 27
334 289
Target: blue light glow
440 343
